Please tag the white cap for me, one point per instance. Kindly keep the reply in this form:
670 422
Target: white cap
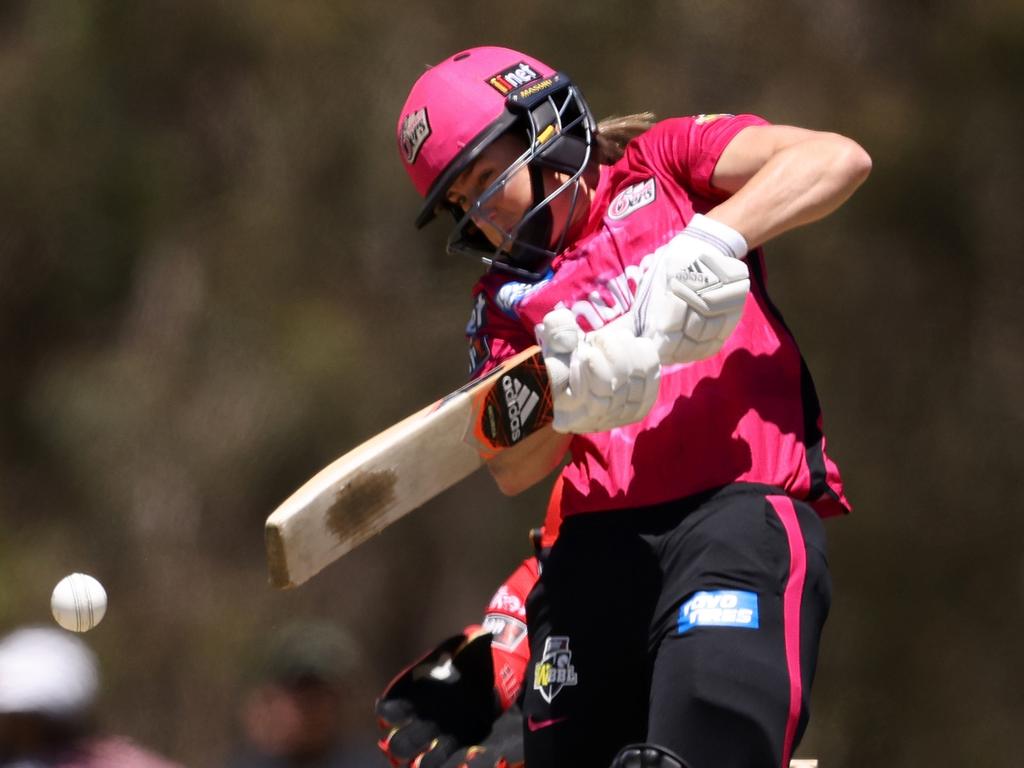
48 672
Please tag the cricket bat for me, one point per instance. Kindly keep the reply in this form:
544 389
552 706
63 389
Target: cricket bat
376 483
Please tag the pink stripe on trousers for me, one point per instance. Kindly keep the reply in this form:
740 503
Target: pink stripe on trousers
791 602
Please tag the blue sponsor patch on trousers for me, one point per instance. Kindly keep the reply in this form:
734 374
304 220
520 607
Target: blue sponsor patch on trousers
719 608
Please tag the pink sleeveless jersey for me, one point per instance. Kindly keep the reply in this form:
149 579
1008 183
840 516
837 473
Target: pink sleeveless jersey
748 414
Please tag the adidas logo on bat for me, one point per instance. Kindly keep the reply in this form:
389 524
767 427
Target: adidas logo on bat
520 401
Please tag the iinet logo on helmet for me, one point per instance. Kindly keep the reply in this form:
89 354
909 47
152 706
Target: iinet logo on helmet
510 78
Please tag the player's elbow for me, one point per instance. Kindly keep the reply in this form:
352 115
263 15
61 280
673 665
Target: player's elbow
512 477
851 161
509 483
524 465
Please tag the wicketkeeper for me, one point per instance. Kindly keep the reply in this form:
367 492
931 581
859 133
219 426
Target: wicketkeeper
459 705
681 606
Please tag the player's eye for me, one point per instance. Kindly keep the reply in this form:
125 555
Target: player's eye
459 201
484 179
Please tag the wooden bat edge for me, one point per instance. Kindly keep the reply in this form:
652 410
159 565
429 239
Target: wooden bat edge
281 575
277 560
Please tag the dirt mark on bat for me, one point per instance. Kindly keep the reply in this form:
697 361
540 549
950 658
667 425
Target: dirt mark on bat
277 560
358 504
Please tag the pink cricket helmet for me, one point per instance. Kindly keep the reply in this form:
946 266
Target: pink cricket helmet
457 108
454 103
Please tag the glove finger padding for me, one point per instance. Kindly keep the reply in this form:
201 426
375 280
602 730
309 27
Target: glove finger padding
442 702
601 380
558 333
558 336
624 374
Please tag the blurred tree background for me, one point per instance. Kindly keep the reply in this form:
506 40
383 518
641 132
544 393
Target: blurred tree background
210 286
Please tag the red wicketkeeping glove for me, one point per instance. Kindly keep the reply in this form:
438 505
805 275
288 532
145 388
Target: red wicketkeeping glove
446 710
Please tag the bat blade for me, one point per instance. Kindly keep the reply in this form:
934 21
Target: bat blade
380 481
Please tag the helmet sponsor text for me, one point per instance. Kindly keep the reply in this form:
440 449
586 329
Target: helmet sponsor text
513 77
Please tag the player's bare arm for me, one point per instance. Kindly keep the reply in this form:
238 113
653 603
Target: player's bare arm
783 177
779 178
528 462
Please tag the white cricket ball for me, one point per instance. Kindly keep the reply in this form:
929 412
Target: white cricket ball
78 602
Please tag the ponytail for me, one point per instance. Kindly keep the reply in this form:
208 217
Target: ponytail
614 133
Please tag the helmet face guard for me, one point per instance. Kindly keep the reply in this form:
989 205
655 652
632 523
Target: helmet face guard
548 112
557 131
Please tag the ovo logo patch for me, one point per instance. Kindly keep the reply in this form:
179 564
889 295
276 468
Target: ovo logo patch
719 608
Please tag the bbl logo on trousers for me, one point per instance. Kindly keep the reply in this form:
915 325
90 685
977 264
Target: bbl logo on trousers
554 670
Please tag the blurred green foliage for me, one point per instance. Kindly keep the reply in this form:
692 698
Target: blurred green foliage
210 286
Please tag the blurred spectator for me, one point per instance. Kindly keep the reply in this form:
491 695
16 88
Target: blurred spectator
292 713
49 680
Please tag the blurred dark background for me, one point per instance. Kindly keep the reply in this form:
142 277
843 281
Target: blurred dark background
210 286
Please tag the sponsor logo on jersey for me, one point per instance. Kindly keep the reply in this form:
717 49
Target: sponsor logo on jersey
520 401
479 345
510 78
478 315
703 119
512 293
507 602
554 671
507 633
415 130
479 353
719 608
631 198
615 296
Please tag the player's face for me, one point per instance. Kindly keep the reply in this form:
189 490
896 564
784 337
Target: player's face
501 211
504 209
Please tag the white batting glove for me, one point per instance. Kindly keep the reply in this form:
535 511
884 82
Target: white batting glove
599 380
692 297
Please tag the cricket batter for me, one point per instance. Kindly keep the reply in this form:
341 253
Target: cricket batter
681 606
